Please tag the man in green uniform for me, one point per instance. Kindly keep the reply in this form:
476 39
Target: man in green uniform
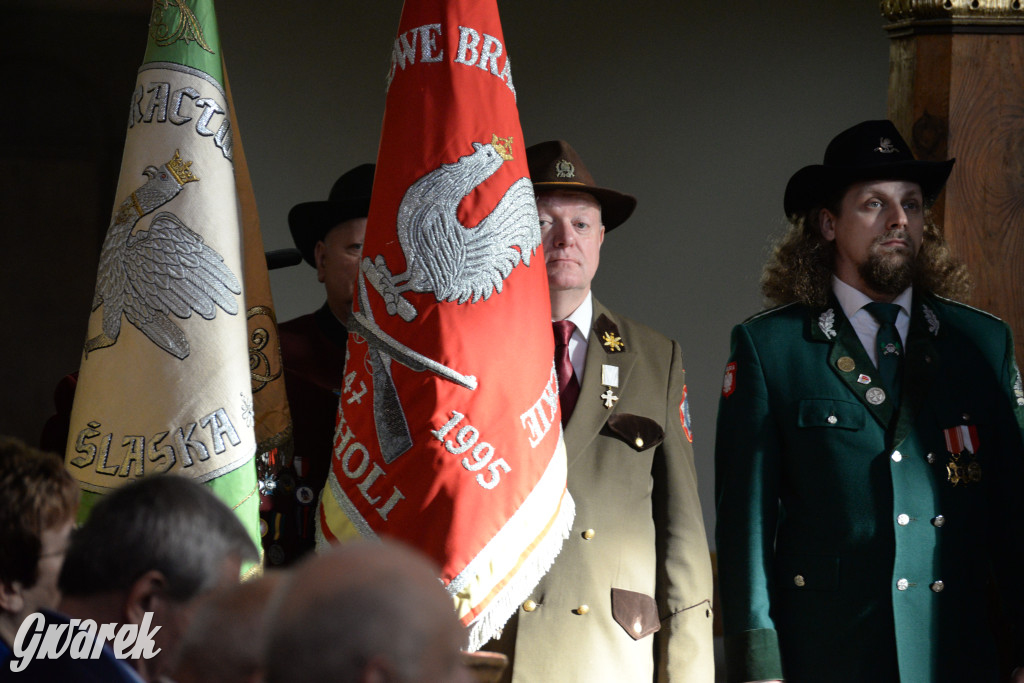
869 458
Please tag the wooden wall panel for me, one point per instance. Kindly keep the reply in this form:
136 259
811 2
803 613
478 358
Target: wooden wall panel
985 195
956 89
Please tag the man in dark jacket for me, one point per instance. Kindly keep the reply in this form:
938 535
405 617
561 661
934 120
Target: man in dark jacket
138 566
329 234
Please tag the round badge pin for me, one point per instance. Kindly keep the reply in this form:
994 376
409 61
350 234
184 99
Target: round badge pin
846 364
875 396
304 495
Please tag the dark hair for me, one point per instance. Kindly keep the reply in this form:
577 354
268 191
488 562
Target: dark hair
164 522
801 264
36 494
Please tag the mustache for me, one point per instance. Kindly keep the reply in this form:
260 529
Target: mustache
894 234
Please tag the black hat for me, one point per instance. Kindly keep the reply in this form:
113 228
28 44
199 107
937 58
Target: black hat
872 150
349 198
554 165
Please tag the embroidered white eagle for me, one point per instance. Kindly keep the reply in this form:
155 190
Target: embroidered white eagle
148 274
455 262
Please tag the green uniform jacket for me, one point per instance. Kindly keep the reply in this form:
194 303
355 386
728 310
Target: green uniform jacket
629 596
846 553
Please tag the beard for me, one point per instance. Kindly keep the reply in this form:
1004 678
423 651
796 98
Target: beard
889 271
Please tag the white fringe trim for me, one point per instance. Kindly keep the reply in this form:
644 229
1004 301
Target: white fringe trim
489 622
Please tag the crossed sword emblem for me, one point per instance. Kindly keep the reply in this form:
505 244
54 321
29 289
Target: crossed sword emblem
392 427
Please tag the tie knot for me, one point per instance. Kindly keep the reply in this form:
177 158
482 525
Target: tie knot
883 312
563 330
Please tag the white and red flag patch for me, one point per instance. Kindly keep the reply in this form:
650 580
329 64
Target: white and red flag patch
448 433
729 380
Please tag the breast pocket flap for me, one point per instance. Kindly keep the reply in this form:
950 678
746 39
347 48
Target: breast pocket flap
830 413
639 432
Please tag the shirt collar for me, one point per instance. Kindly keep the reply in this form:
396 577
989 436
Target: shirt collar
852 300
583 316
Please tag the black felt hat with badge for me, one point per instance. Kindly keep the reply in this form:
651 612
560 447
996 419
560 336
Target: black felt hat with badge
554 165
871 150
349 198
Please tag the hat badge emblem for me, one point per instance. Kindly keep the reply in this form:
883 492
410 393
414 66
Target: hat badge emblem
885 146
565 169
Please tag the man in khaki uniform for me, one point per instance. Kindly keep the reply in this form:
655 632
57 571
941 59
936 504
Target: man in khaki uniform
629 596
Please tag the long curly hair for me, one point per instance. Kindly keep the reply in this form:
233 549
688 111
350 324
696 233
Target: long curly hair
801 263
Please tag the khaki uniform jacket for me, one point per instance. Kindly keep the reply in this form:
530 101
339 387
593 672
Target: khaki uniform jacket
847 550
629 596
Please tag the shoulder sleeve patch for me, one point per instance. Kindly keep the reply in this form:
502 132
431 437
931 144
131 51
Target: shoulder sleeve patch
684 416
729 380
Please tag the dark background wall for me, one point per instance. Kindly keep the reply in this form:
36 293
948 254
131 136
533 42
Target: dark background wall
701 109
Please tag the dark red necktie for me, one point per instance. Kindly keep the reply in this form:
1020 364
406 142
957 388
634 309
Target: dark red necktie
568 385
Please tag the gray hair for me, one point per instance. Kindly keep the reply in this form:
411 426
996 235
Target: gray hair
165 523
362 605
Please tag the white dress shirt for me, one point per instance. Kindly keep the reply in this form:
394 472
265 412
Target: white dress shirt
853 302
582 317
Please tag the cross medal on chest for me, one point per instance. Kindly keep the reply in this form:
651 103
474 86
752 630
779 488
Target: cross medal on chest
960 440
610 379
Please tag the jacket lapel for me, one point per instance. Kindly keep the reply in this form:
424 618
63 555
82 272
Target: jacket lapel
590 413
850 362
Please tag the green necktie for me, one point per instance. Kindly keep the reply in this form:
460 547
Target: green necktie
888 346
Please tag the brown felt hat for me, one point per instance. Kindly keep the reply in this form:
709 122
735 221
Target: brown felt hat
554 165
871 150
349 198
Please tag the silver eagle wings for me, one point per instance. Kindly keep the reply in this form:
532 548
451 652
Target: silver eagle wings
443 256
147 275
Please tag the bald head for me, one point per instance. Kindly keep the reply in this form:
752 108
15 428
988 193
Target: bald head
364 611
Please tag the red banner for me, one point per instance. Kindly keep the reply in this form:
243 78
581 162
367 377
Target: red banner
449 431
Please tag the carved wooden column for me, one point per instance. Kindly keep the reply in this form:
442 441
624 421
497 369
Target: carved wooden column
956 89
